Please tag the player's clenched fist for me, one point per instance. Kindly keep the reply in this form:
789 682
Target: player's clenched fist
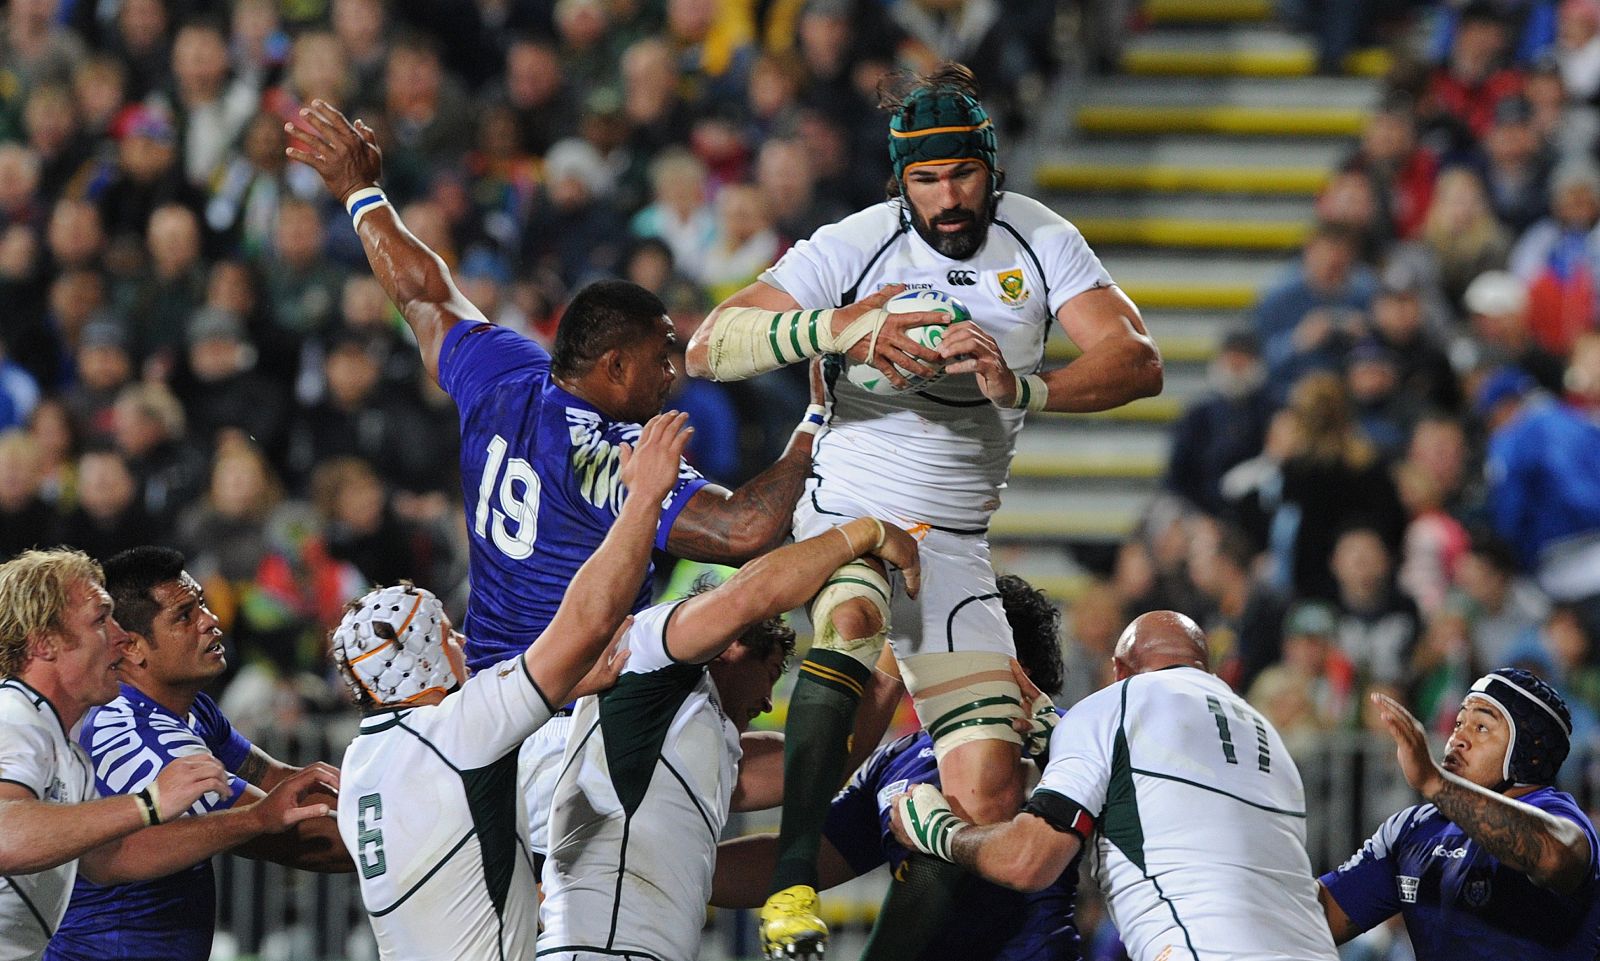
900 549
185 781
346 156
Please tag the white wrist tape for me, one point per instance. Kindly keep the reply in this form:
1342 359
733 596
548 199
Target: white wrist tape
361 201
1032 393
816 417
929 821
746 341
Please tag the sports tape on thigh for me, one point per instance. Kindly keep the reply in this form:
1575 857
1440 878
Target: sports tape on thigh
963 696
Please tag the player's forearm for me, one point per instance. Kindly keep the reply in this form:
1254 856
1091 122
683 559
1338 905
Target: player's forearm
263 770
744 871
1109 374
1024 854
167 848
760 783
36 836
791 575
1552 851
312 845
731 528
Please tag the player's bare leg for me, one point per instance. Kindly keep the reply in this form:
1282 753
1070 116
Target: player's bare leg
822 713
983 781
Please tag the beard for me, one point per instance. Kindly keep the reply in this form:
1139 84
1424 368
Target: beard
957 244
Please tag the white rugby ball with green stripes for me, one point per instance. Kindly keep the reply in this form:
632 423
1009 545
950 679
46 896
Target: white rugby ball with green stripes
871 379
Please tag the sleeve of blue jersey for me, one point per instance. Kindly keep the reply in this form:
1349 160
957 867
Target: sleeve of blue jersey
225 741
475 354
855 826
121 770
1563 805
1365 885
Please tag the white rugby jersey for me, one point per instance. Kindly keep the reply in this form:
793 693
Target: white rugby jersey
644 793
941 455
36 753
1198 821
430 809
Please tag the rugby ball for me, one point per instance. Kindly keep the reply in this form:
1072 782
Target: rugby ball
872 380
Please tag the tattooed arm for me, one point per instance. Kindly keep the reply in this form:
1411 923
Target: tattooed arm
263 770
1552 851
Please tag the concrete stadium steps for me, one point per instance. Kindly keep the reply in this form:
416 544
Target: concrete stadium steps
1178 165
1193 222
1236 52
1181 12
1184 336
1236 106
1164 280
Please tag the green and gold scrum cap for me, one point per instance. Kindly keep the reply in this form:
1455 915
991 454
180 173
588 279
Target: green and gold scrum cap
940 125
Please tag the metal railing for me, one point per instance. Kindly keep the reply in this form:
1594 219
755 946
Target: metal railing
1352 783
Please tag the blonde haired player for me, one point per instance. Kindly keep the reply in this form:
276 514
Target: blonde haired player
933 459
431 809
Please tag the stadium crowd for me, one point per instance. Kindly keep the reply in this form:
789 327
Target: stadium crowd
194 351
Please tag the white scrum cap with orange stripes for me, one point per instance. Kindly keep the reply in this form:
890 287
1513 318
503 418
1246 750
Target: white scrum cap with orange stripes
392 641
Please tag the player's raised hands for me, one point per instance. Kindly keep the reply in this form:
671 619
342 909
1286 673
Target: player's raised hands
292 801
1411 745
345 155
650 464
887 344
969 349
185 781
603 676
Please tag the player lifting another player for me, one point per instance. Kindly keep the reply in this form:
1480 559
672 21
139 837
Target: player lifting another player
933 457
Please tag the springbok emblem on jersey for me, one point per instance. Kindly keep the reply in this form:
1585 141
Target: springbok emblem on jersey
1013 290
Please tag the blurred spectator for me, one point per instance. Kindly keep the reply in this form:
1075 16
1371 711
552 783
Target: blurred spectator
1516 165
744 244
359 527
225 532
302 285
317 71
51 428
1383 411
1497 305
25 517
428 117
19 392
108 518
587 60
976 32
1302 316
140 42
35 47
713 43
1443 667
1222 429
1245 628
1378 626
361 27
104 367
1402 170
224 391
1559 258
1438 448
99 91
1578 48
1462 92
1094 623
773 96
245 200
1543 467
75 237
52 126
147 175
542 101
1565 645
1461 236
150 430
573 230
1312 690
657 115
679 214
161 303
1564 124
1335 480
260 44
356 419
786 180
1500 605
1398 325
1434 541
210 109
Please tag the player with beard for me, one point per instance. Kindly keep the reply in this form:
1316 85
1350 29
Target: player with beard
933 459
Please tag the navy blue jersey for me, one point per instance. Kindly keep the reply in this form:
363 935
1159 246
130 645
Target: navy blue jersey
168 919
540 483
1461 902
996 924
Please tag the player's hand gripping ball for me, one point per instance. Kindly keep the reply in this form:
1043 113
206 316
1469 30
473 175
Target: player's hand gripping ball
869 378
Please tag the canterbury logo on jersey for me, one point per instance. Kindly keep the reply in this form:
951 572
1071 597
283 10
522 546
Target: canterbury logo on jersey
962 278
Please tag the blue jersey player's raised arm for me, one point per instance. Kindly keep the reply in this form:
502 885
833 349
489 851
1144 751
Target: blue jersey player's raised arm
540 431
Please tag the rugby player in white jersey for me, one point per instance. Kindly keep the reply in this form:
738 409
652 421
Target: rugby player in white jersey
1195 810
654 764
932 459
431 807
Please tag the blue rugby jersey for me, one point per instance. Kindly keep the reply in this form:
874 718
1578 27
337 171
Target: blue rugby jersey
539 481
168 919
1458 900
995 924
